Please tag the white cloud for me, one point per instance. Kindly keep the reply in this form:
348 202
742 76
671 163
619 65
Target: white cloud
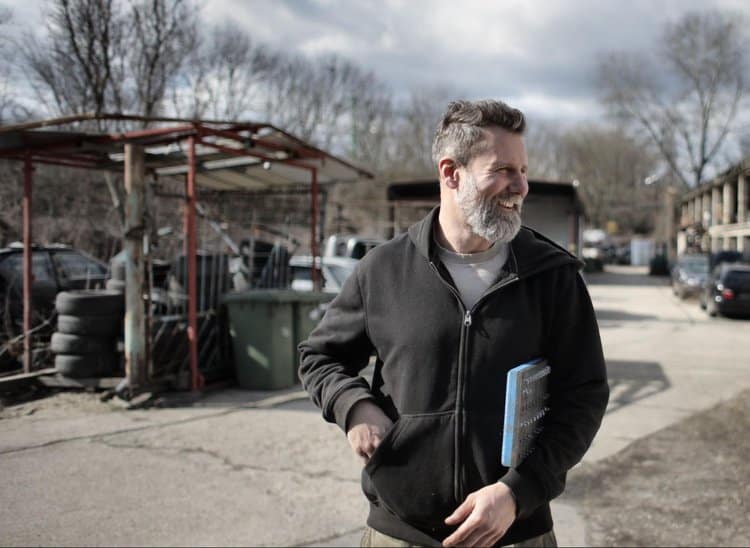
539 52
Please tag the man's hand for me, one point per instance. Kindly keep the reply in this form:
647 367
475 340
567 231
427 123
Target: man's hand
486 515
367 425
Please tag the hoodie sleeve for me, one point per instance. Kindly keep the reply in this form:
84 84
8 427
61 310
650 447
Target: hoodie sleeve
578 398
334 354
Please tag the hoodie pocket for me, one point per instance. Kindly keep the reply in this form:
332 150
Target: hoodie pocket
411 472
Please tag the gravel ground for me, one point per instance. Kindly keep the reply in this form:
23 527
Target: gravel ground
686 485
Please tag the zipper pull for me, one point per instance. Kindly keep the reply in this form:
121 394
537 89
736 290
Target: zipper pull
467 319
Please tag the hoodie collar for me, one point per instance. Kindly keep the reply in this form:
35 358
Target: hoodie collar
530 251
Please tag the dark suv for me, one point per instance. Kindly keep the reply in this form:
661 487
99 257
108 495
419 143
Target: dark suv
727 290
54 269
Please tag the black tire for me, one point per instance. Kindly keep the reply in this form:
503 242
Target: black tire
115 285
88 366
64 343
93 326
86 302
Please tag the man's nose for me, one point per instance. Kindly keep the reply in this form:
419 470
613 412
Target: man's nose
519 185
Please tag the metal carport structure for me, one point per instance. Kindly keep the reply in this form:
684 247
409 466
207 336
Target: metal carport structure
218 155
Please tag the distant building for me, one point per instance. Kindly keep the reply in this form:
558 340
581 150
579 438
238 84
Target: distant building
552 208
716 215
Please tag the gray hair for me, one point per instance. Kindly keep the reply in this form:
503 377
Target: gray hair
459 134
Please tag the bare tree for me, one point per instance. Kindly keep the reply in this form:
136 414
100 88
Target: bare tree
224 76
318 99
371 126
5 94
544 146
417 119
610 167
75 67
108 56
686 97
164 35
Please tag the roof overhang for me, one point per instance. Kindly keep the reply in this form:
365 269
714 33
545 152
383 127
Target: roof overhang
230 156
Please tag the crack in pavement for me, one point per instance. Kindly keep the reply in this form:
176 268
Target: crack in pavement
226 461
121 431
268 403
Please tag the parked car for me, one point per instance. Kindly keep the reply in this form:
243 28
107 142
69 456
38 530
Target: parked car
54 268
622 254
725 256
593 259
335 271
689 275
354 247
727 290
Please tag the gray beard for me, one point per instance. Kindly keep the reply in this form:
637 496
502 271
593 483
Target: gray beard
485 217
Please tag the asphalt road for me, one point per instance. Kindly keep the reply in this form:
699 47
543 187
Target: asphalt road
251 468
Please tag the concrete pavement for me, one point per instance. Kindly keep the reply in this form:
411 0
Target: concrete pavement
252 468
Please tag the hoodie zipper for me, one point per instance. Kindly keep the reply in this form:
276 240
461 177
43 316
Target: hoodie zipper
459 481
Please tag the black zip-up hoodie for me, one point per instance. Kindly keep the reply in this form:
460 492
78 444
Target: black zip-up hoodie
441 372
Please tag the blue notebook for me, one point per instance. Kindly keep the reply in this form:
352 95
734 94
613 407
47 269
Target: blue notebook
525 405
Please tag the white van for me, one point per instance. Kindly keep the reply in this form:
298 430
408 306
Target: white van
335 271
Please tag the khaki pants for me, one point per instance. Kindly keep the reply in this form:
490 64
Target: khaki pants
373 538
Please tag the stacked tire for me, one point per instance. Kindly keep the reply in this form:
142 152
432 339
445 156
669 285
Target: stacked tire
89 323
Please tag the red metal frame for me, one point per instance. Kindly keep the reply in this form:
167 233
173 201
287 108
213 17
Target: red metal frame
197 380
28 170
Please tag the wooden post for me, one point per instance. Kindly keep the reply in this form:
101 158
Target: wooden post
28 170
191 250
135 224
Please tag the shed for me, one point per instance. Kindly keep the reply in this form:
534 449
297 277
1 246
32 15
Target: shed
551 207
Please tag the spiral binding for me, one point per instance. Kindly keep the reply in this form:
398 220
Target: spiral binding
526 396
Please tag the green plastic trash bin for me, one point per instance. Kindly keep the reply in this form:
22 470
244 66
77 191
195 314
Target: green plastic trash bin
266 326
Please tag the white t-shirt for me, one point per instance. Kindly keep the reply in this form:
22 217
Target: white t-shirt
474 273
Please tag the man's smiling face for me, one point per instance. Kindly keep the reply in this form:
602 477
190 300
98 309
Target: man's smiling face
493 185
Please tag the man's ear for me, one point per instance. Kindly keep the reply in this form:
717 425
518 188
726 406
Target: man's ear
448 172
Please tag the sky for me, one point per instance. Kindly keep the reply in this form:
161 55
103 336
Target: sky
536 55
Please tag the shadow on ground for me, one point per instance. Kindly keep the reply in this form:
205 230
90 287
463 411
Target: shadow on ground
632 381
292 398
629 382
625 275
610 317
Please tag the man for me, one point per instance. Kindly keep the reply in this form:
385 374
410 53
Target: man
448 309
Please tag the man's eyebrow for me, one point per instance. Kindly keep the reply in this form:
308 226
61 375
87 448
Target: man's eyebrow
500 165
